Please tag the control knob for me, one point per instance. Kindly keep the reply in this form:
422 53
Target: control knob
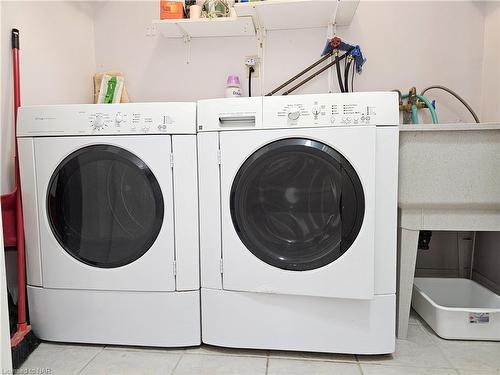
294 115
119 118
98 122
315 110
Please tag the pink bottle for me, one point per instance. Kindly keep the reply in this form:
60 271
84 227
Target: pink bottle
233 89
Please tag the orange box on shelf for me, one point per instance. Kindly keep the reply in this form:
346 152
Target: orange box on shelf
171 9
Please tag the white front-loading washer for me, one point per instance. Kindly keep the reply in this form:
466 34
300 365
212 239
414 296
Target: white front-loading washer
298 198
110 203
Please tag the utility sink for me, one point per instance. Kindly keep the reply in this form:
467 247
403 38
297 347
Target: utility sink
451 170
449 179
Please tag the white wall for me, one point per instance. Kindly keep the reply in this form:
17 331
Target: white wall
57 62
406 44
491 64
155 68
442 257
420 44
487 260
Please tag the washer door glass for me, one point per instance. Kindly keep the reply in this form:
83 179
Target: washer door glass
104 206
297 204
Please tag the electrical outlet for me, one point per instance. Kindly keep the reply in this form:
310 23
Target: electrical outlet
151 30
252 61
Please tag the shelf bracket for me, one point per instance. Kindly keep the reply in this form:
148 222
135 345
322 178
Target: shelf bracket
187 42
186 38
333 22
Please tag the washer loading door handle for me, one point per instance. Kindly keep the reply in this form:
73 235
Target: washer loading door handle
237 121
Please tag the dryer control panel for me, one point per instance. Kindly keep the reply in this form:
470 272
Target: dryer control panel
108 119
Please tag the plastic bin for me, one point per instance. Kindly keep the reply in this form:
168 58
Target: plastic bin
457 308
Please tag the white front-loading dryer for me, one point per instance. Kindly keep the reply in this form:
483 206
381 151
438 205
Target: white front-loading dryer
298 232
110 207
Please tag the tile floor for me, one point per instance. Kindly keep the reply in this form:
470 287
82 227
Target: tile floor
423 353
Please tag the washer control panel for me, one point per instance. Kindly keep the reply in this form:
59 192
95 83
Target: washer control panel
348 109
107 119
130 122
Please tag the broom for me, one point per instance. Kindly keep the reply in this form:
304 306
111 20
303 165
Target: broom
24 341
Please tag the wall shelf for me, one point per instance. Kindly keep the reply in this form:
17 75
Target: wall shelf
298 14
264 15
206 28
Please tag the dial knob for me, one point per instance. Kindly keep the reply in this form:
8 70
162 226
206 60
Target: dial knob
119 117
98 122
293 115
316 111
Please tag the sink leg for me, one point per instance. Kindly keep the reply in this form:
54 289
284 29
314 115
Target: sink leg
407 258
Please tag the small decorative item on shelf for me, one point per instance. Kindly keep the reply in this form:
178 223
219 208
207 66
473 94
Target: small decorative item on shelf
215 9
194 12
188 4
171 9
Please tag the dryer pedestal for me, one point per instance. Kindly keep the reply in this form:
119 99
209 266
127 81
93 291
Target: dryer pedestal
118 317
291 322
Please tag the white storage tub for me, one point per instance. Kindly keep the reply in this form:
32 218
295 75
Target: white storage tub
457 308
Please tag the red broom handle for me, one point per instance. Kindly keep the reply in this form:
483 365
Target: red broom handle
21 270
15 65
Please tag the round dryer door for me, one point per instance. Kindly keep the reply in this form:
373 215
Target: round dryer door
105 206
297 204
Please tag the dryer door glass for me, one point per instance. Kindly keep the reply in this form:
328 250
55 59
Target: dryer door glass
105 206
297 204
